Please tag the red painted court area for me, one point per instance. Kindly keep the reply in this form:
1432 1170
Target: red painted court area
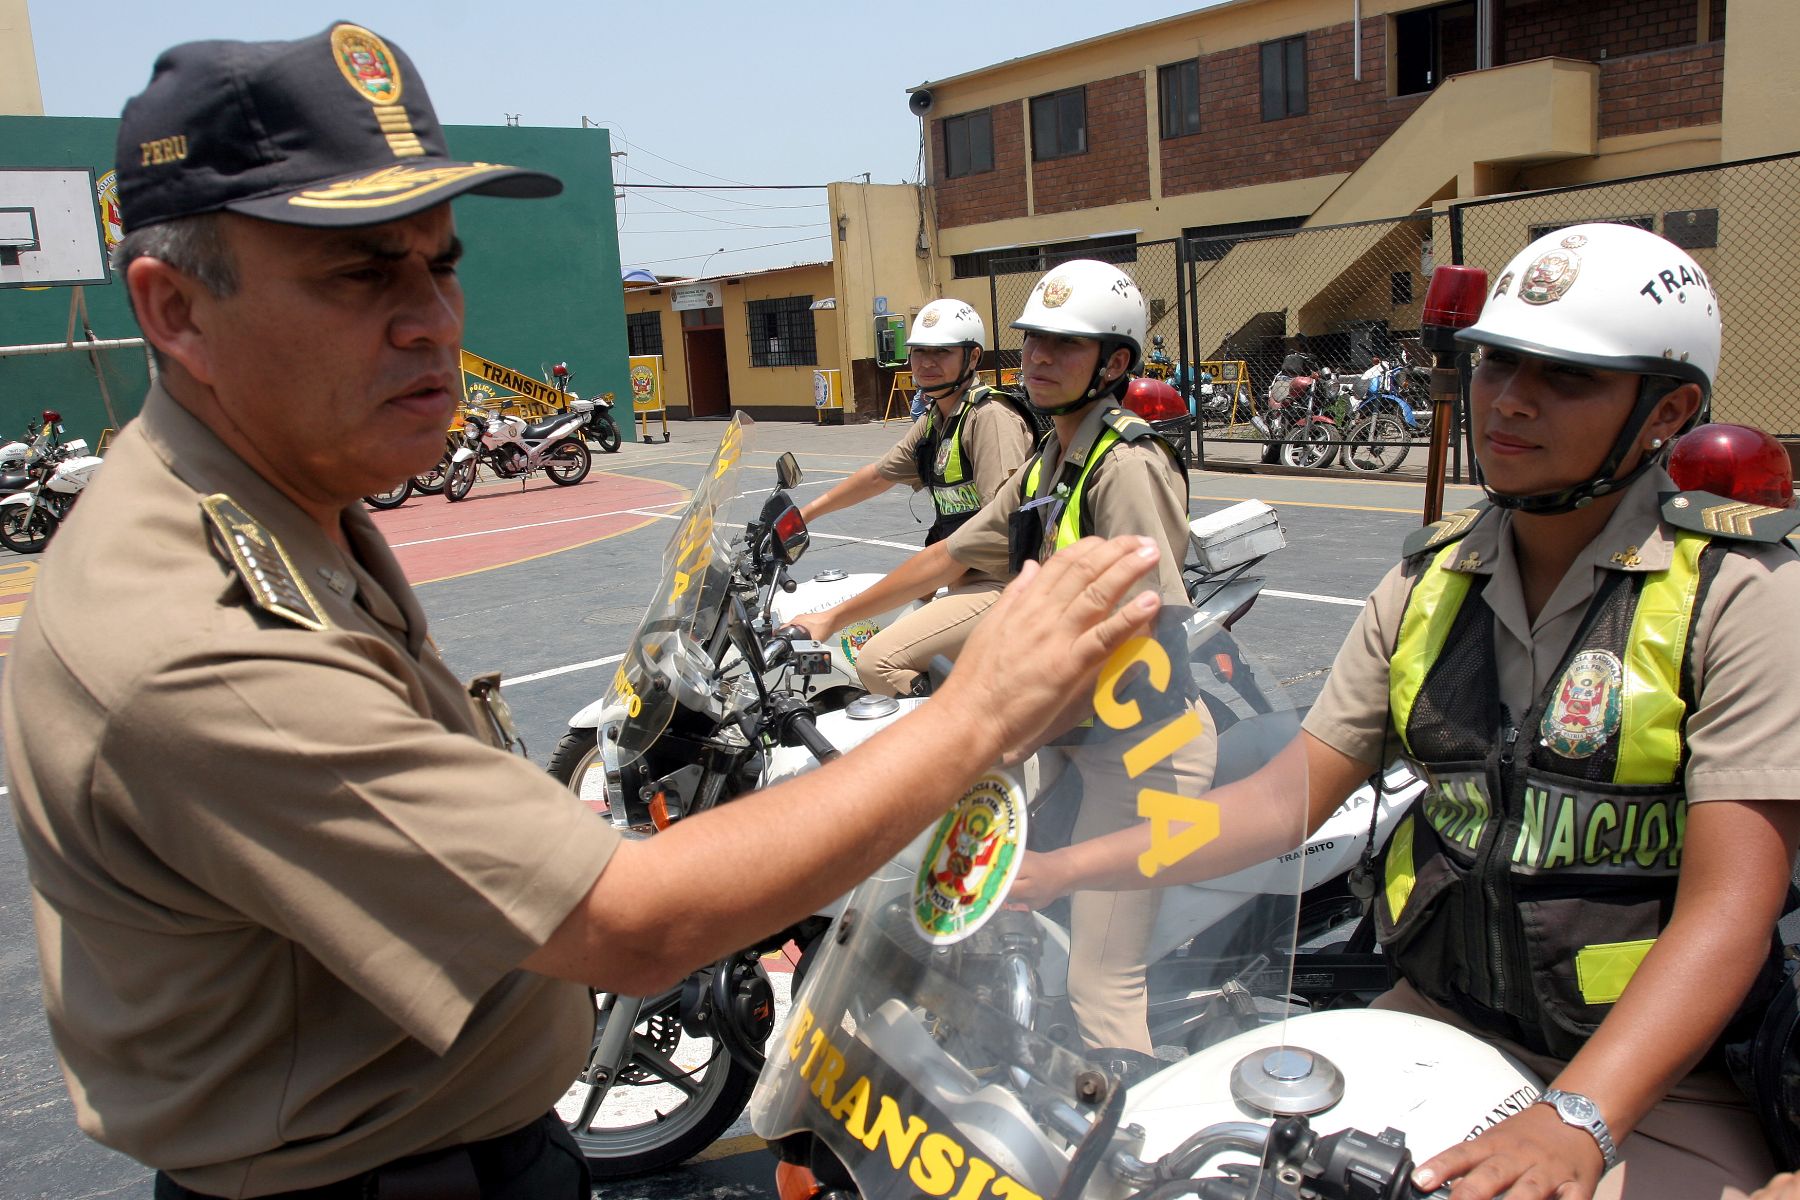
500 524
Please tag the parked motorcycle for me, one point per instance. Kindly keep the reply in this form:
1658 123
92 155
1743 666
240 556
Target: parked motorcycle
922 1053
1295 421
1382 418
600 428
41 438
513 449
30 517
709 702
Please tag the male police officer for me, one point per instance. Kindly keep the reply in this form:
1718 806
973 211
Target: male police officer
968 444
1100 470
1584 672
304 926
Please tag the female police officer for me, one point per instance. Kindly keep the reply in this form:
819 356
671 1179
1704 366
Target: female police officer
1582 671
1102 471
964 449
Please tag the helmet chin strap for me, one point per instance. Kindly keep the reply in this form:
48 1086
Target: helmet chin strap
1604 482
955 385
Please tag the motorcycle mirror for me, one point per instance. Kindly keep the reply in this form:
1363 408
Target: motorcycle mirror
787 471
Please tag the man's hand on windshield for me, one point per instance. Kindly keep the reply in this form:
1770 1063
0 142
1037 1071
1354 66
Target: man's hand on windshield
1046 636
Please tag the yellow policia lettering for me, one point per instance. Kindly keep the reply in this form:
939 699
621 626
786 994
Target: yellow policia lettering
1571 830
730 446
936 1162
634 703
164 150
1458 810
693 552
1179 825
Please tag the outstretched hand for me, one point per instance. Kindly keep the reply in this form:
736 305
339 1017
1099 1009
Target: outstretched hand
1046 637
1531 1155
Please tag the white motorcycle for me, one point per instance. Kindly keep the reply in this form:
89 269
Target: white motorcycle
513 448
58 475
924 1053
709 703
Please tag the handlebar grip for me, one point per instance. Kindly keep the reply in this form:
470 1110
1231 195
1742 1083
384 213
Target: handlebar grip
808 735
791 633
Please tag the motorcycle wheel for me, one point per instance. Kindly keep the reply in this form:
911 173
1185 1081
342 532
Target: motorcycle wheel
673 1096
575 763
26 532
604 434
460 479
432 481
568 462
1387 446
392 498
1303 449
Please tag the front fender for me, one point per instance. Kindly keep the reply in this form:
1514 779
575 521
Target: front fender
463 454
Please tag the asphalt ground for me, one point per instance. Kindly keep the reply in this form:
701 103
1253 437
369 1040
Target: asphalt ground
546 585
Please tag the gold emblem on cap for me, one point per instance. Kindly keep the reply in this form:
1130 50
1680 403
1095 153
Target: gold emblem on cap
929 319
1056 293
390 185
367 63
1549 277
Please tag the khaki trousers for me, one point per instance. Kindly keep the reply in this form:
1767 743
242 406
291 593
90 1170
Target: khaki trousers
1109 932
1702 1142
893 658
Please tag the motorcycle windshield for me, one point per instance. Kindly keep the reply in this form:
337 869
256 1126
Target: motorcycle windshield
667 660
937 1046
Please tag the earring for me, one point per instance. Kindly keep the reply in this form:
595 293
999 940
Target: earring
1656 443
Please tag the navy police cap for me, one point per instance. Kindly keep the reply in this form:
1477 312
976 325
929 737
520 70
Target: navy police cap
333 130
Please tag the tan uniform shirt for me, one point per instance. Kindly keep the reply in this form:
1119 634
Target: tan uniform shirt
995 440
1745 658
282 880
1136 489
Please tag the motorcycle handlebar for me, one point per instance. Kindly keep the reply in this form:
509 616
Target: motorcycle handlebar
800 725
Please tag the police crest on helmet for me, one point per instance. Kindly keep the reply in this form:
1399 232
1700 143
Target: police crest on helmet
1550 276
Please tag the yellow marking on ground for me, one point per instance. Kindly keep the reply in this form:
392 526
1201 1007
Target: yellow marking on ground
729 1147
17 579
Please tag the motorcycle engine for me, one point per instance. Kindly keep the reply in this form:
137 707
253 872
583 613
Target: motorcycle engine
515 462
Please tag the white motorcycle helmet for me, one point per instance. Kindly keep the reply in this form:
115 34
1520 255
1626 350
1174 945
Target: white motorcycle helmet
1612 297
1089 299
948 323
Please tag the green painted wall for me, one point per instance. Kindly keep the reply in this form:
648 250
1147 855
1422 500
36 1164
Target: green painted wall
541 277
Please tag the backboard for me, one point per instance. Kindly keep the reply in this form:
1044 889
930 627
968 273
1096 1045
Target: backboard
50 228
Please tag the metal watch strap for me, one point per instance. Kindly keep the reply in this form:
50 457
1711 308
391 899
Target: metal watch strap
1594 1124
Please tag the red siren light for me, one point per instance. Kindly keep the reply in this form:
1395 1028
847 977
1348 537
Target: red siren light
1154 400
1453 301
1740 462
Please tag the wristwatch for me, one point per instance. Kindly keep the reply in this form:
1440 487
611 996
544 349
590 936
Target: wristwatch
1577 1110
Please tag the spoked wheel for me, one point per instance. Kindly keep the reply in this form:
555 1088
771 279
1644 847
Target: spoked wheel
671 1096
25 529
1303 448
604 434
460 479
432 481
394 497
1386 448
568 462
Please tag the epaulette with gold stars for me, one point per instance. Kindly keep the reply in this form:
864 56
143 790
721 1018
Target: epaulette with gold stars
1443 531
262 564
1723 517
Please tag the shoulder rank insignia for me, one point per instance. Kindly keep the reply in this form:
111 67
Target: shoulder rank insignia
1447 529
1723 517
262 564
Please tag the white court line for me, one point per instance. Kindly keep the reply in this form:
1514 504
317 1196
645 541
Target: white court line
1313 598
454 537
553 671
844 537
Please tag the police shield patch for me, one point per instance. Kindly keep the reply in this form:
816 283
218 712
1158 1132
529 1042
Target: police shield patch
1585 712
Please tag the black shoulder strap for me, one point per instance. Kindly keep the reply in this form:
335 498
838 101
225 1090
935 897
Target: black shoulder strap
1728 519
1452 526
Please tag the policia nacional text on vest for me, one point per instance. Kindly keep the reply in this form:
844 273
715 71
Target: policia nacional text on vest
943 467
1542 862
1052 514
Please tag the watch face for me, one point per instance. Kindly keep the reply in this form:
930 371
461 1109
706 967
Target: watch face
1576 1108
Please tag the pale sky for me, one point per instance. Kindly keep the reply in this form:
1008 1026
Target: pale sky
794 91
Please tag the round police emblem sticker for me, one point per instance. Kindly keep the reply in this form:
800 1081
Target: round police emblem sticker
1549 277
367 64
929 319
856 636
1584 713
970 862
1574 241
1056 293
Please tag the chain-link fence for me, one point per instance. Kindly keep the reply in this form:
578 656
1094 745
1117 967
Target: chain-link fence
95 387
1156 266
1740 221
